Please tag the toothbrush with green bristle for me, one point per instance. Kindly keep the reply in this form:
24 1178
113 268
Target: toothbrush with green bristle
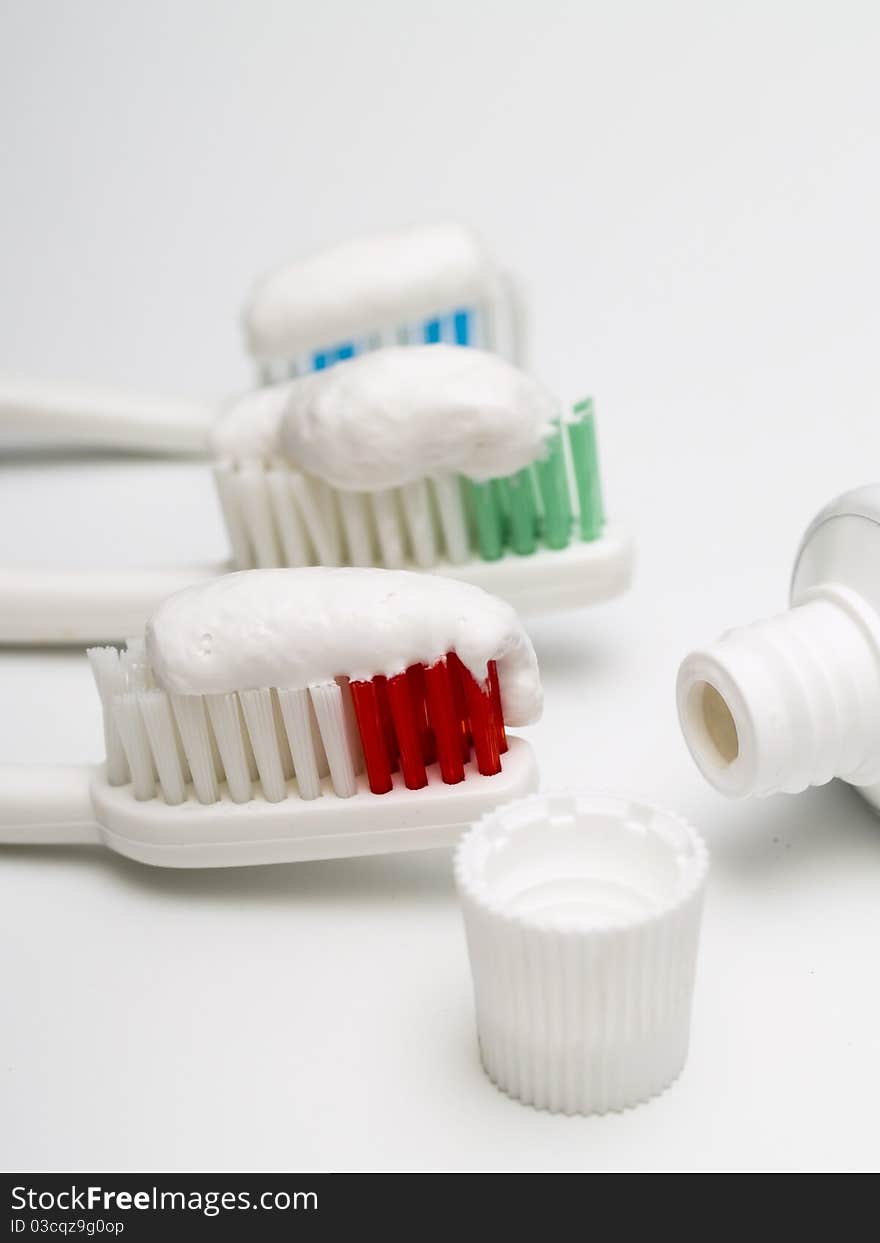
534 507
438 458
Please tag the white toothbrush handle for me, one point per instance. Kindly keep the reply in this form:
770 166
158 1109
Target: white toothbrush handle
86 606
46 806
38 413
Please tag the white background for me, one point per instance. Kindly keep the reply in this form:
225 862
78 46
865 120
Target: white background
691 195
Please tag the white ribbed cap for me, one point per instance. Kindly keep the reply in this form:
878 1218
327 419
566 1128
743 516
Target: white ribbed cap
582 914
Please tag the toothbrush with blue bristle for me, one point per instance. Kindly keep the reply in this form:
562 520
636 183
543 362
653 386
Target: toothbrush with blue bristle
419 286
416 286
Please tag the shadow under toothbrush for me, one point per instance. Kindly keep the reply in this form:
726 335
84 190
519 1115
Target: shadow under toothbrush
597 647
788 836
423 876
55 456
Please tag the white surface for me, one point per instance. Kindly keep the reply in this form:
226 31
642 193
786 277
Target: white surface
692 195
582 915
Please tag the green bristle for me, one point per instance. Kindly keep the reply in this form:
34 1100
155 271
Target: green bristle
535 505
488 519
553 486
522 512
585 458
502 504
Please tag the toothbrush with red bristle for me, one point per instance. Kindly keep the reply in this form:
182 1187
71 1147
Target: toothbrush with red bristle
264 712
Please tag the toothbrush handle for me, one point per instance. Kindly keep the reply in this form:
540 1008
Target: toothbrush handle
46 806
38 413
85 606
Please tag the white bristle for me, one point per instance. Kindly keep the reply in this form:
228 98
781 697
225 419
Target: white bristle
134 738
352 733
281 734
318 743
164 744
357 527
259 716
416 502
453 520
478 327
412 334
270 736
226 481
314 501
192 722
291 528
135 668
327 500
110 681
256 509
249 750
277 516
392 550
330 713
217 759
136 648
491 326
226 721
296 712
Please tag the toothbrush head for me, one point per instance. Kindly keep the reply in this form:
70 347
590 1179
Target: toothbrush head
265 711
432 458
414 286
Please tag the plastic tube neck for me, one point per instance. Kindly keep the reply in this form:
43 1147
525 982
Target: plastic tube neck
789 702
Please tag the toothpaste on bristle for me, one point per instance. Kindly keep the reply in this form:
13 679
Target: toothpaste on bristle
369 281
393 416
293 628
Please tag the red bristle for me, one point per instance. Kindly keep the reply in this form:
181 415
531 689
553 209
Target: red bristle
407 728
445 721
456 681
381 684
416 677
482 720
495 692
369 722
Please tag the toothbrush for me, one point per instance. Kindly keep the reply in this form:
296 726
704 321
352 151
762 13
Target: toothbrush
469 469
438 458
282 715
40 413
415 286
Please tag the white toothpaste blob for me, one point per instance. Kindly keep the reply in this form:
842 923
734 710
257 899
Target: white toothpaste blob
295 628
247 427
365 285
392 416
